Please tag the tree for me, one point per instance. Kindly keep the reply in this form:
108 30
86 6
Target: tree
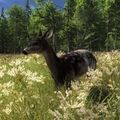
89 24
92 24
70 28
4 33
113 26
18 27
44 17
28 9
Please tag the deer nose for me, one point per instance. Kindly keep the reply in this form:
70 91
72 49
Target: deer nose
24 52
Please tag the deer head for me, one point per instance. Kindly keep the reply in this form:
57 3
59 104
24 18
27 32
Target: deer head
38 44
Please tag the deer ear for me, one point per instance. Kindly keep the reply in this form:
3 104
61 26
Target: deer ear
48 34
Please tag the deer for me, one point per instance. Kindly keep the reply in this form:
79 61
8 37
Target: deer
65 68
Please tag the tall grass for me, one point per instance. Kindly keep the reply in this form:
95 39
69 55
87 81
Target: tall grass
27 91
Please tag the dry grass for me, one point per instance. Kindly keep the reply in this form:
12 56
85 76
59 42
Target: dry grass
28 92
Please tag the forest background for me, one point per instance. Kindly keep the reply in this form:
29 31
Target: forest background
88 24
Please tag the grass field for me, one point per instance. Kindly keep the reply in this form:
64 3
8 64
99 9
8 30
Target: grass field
27 91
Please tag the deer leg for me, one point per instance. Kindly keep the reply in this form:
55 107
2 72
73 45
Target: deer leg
69 78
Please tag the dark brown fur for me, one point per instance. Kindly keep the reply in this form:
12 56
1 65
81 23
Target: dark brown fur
65 68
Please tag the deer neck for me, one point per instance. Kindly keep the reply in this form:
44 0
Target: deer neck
52 61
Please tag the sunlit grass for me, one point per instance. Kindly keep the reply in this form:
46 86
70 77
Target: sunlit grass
27 91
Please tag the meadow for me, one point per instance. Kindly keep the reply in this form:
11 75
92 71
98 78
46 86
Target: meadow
27 90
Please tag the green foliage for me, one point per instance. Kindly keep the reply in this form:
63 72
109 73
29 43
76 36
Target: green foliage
113 26
4 35
44 17
18 27
90 24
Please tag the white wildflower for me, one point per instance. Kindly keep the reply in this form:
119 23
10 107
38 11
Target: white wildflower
36 55
15 62
8 108
35 96
33 76
16 70
2 70
1 74
26 59
7 88
1 101
12 72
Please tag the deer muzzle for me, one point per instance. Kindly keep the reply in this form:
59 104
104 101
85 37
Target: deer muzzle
25 52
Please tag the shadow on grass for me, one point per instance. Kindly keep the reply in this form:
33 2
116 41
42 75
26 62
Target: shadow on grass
98 94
